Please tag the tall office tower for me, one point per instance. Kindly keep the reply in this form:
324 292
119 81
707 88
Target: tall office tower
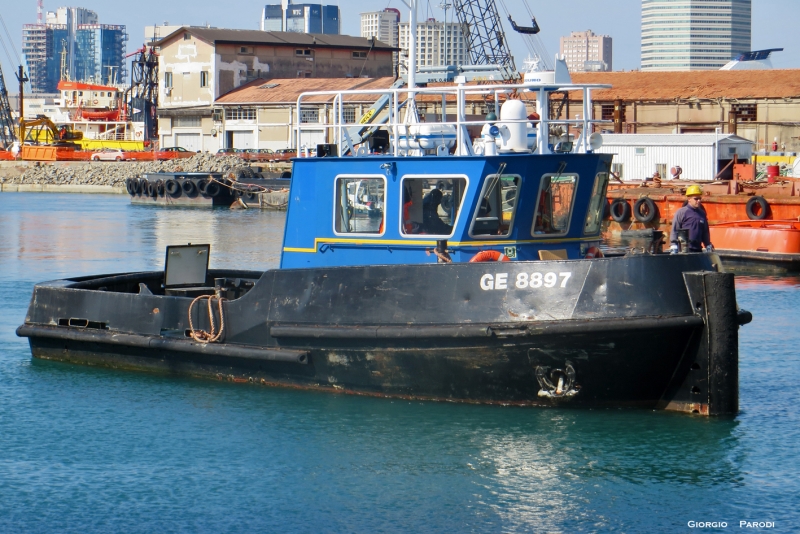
73 44
438 43
587 52
384 26
301 18
694 34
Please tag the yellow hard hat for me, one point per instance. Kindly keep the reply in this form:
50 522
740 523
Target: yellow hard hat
693 190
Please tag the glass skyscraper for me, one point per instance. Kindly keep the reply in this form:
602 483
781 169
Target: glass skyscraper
301 18
680 35
72 44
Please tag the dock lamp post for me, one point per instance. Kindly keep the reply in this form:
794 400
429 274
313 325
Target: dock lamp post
445 6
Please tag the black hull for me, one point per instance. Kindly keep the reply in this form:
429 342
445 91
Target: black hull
628 367
753 260
646 331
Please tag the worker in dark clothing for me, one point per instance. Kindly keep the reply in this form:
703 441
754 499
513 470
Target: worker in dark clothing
431 223
691 217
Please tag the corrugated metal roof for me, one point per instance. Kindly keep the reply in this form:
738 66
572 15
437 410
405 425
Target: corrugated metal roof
709 84
671 139
286 91
217 35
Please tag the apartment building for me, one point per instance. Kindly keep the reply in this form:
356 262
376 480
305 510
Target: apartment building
587 52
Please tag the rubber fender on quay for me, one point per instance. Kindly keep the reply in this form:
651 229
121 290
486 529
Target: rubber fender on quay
251 197
189 187
172 187
489 255
130 186
202 184
212 189
142 190
151 189
763 207
645 210
160 187
620 210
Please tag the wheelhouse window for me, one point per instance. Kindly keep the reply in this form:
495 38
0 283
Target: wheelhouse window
359 205
430 204
496 207
594 215
554 204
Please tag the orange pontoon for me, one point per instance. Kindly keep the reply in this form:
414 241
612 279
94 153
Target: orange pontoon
764 244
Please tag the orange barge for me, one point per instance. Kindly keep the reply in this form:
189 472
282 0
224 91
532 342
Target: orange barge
764 245
636 207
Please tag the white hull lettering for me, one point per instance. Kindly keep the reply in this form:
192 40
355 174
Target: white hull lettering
525 280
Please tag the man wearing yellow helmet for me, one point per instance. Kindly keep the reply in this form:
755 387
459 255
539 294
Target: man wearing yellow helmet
691 217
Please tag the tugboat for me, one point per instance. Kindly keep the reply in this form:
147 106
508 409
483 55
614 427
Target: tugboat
433 272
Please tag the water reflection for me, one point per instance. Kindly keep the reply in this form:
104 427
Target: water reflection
49 236
536 472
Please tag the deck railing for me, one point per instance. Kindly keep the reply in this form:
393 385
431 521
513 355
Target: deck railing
451 96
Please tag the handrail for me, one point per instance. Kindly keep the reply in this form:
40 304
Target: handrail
459 92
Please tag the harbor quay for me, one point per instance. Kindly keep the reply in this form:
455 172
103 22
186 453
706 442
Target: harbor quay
111 177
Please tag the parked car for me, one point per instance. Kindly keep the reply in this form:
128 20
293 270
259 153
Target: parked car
109 154
284 154
174 152
259 154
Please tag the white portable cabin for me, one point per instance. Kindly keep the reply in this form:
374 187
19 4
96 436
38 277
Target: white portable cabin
700 156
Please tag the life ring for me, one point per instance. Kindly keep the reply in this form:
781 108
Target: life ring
593 253
138 135
95 101
763 207
645 210
172 188
189 187
212 189
160 187
489 255
620 210
129 186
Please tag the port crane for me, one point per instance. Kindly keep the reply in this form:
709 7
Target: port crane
142 97
486 41
7 134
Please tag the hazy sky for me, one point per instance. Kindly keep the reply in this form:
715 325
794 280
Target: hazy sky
774 22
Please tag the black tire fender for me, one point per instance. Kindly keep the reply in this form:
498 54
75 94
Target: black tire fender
129 186
172 188
160 187
212 189
202 184
151 189
645 210
189 187
763 207
620 210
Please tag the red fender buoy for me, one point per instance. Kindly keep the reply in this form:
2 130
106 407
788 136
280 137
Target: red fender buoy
593 252
489 255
